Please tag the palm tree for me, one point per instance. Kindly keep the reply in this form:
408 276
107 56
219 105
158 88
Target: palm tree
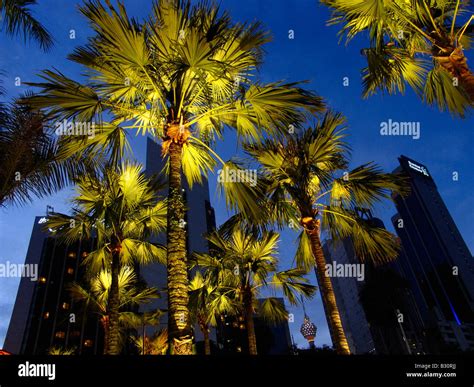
29 155
157 344
247 264
61 351
96 296
421 43
209 298
181 76
308 184
121 210
17 19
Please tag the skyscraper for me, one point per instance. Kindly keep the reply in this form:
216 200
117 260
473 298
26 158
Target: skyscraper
374 301
346 289
44 315
436 262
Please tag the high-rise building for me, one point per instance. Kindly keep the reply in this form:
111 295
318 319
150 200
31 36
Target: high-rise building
390 309
44 315
436 262
371 300
346 289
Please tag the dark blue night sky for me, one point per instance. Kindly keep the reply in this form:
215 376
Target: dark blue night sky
445 144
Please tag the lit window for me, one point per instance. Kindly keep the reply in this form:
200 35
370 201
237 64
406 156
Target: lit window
42 280
60 335
88 343
70 270
65 305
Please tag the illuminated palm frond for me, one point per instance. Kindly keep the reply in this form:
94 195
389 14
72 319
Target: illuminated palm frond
242 260
419 43
115 205
309 173
186 65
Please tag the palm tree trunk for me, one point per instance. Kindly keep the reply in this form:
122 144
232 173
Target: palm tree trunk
207 342
327 292
179 330
105 325
248 311
456 65
113 346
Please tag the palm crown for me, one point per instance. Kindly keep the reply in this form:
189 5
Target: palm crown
307 178
241 266
118 208
97 293
95 296
419 43
181 76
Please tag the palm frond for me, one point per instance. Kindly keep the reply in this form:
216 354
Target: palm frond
240 186
439 90
304 255
196 162
64 98
366 185
273 310
30 157
390 68
142 252
18 19
370 241
293 284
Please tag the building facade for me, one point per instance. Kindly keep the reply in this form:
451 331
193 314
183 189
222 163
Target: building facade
436 262
374 301
44 315
347 290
